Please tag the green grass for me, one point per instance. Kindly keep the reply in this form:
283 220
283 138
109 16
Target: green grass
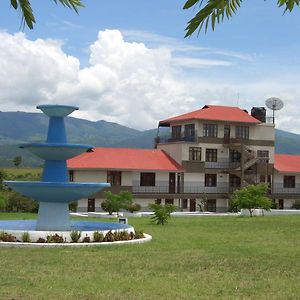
190 258
15 173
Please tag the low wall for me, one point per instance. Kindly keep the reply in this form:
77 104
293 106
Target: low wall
272 212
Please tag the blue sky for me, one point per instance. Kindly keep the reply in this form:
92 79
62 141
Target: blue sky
247 59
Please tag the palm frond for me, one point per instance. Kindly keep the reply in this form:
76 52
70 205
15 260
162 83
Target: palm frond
27 15
214 12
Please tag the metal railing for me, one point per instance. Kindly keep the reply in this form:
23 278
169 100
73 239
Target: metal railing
280 189
183 137
198 188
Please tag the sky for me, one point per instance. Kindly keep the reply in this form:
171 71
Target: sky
128 61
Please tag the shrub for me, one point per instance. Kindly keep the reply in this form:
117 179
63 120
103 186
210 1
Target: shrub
109 237
41 240
73 206
86 239
18 203
296 204
7 237
115 202
26 237
139 234
98 236
75 236
162 213
132 207
55 238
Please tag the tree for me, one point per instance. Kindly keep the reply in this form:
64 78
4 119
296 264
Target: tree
251 197
17 161
115 202
26 11
162 213
214 11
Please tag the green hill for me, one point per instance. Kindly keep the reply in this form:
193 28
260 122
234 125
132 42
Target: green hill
20 127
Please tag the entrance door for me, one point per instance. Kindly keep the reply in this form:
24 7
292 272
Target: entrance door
192 204
171 183
91 205
212 205
280 204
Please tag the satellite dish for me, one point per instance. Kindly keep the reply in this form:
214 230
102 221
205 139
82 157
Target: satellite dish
274 104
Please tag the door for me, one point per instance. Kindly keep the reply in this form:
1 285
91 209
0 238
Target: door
212 205
192 204
280 204
91 205
171 183
226 134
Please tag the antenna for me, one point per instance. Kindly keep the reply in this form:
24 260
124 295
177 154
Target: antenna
274 104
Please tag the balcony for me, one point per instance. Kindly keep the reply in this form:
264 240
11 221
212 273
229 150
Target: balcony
178 138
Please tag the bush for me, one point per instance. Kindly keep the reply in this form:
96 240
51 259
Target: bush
41 240
26 237
86 239
296 204
162 213
98 236
55 238
75 236
109 237
18 203
132 207
7 237
115 202
73 206
139 234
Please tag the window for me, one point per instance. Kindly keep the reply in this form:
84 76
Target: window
211 155
263 155
147 179
189 130
195 153
176 132
234 156
71 175
210 179
210 130
289 181
234 181
262 178
242 132
114 177
169 201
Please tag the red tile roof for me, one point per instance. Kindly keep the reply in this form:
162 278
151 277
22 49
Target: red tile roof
287 163
215 113
125 159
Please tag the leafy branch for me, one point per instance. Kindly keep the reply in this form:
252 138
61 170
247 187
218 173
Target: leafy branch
26 11
214 12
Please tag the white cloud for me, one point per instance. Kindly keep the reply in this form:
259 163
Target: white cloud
128 82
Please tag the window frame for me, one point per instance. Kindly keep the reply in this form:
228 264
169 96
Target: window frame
195 153
147 179
289 181
211 155
210 180
210 130
242 132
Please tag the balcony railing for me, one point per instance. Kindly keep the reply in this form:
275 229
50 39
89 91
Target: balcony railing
196 188
177 138
279 189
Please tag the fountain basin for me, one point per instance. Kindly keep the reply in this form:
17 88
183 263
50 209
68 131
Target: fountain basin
54 110
53 192
56 151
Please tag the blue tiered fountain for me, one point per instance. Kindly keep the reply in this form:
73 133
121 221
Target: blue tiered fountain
54 192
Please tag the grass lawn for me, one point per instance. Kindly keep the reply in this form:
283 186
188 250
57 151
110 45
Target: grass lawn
190 258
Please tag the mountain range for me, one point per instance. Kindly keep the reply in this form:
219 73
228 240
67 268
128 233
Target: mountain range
22 127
